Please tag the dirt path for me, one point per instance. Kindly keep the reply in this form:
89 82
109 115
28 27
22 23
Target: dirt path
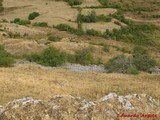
144 21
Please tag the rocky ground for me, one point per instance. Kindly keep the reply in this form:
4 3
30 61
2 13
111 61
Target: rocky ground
109 107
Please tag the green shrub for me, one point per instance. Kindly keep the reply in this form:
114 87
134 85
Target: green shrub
90 17
1 6
134 33
34 57
24 22
33 15
104 18
156 16
84 56
53 38
120 64
21 22
49 57
133 70
17 20
142 60
93 32
104 2
124 50
41 24
6 60
64 27
105 47
74 2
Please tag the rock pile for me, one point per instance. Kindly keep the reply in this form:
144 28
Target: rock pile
75 108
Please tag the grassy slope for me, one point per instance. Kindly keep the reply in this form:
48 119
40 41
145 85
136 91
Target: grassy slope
39 83
32 81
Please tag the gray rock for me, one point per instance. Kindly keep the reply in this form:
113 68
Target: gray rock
1 109
109 96
155 70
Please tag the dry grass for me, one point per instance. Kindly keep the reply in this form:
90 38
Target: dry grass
101 26
51 13
100 11
21 46
18 82
88 3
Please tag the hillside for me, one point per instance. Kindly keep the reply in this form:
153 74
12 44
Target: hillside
79 48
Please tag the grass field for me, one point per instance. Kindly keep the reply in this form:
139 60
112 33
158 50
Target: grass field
21 81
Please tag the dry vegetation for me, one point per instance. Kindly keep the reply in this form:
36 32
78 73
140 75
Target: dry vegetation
21 81
41 82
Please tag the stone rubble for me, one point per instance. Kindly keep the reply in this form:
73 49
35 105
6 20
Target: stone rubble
69 107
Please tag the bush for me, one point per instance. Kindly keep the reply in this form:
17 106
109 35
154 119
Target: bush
1 6
33 15
105 47
41 24
104 18
21 22
34 57
64 27
84 56
6 59
104 2
90 17
93 32
49 57
120 64
133 33
142 60
53 38
74 2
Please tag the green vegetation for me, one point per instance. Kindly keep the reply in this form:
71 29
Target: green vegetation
74 2
33 15
53 38
126 6
84 56
105 18
106 47
65 27
142 60
133 33
104 2
49 57
6 60
1 6
156 16
14 35
40 24
120 64
139 61
21 22
90 17
93 32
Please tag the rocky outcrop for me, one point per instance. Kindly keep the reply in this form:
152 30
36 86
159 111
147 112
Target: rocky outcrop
75 108
155 70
